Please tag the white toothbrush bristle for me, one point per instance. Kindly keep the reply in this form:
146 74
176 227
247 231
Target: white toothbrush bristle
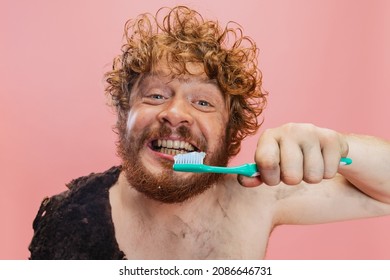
190 158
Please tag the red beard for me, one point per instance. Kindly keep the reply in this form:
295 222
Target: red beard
166 186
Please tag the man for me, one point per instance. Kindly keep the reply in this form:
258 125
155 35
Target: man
179 86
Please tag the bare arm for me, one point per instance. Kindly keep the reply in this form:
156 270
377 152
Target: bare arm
370 171
302 161
331 200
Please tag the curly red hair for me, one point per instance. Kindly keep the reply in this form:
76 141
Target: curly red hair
182 36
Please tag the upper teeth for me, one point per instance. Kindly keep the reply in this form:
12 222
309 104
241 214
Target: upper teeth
175 144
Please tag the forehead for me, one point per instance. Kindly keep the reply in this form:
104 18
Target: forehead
189 72
158 76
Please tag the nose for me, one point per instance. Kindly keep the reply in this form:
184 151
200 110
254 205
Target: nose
176 112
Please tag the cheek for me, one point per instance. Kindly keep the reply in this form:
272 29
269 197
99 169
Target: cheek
132 120
138 118
215 128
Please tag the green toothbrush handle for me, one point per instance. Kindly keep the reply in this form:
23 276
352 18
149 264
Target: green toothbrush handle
248 169
345 161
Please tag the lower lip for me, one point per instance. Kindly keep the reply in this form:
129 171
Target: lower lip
162 155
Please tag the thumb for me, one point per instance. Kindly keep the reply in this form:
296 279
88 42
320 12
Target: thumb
249 182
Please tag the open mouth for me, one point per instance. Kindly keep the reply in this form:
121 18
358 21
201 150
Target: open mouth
172 147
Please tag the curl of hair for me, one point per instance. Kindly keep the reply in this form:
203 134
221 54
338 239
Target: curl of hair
182 36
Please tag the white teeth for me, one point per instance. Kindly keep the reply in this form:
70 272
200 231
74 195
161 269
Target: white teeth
177 145
171 151
189 147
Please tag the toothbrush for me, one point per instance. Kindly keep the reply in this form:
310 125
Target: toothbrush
193 162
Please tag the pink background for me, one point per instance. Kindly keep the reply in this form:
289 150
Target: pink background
325 62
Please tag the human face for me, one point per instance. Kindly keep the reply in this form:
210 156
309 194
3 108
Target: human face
168 116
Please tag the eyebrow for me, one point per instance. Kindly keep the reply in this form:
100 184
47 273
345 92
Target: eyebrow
198 78
181 78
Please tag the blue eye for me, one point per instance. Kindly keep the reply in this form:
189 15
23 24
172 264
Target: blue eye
203 103
154 99
156 96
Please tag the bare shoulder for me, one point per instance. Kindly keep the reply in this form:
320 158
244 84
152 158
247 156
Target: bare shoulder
262 192
261 200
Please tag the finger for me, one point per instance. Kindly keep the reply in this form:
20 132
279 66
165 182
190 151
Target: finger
331 155
267 158
333 147
249 182
313 163
291 162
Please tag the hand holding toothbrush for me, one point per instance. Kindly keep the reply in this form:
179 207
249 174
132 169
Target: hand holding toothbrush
297 152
